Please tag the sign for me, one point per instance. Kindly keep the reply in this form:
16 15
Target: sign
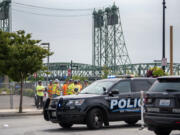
164 61
35 75
157 61
69 72
125 105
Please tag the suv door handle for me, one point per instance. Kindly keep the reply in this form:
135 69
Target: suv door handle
128 96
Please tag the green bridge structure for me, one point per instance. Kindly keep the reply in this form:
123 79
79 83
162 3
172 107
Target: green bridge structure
60 70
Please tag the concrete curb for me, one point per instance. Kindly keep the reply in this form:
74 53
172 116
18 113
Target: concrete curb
24 113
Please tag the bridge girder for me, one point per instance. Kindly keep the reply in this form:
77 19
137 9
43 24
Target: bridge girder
60 70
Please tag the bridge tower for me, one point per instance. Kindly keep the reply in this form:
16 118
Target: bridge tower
109 47
5 15
5 23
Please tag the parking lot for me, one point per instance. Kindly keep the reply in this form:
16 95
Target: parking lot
36 125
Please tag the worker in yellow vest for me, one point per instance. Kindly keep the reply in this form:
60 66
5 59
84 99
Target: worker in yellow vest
77 87
80 85
56 89
40 94
50 89
70 89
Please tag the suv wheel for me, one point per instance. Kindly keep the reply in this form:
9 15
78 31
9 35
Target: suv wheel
160 131
131 122
95 119
65 125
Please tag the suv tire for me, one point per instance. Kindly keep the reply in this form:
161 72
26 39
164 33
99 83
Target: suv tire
131 122
162 131
65 125
94 119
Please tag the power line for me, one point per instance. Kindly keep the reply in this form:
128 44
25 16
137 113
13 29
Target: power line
50 15
60 9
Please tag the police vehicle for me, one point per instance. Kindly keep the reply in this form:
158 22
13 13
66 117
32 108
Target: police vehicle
103 101
162 105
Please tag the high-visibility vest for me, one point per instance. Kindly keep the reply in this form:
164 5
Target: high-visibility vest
77 89
56 89
40 93
80 86
50 89
64 88
70 89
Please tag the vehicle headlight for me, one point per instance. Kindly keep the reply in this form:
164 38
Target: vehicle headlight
75 102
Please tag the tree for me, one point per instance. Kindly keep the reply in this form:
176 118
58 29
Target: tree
155 72
105 71
21 57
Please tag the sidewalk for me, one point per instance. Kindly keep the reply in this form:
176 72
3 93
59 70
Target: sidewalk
14 112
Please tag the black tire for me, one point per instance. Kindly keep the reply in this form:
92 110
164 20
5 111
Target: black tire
95 119
131 122
160 131
65 125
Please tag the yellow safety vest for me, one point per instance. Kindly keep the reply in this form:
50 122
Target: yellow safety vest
78 87
56 89
40 93
70 89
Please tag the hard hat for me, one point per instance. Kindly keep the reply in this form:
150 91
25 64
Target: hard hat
56 80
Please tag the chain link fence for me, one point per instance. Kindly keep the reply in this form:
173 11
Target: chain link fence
10 95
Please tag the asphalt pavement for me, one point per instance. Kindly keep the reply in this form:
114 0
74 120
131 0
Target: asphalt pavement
36 125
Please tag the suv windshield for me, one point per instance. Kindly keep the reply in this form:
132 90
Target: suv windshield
166 86
97 87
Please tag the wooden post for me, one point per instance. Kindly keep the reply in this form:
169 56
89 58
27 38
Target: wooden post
171 50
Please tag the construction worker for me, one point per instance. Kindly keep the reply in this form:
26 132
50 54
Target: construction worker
70 89
56 89
80 85
50 89
85 84
40 94
65 88
77 87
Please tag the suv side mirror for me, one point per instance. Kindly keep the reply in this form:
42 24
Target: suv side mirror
114 92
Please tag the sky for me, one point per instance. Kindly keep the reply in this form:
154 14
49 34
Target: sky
70 32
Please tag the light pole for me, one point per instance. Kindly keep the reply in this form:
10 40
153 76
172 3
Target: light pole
163 35
48 47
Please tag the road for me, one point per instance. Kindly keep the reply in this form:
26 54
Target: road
36 125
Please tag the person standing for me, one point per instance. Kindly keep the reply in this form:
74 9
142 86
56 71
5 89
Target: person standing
65 88
80 85
50 89
85 84
40 94
70 89
56 89
77 87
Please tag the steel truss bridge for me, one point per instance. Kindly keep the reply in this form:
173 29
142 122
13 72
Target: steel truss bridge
60 70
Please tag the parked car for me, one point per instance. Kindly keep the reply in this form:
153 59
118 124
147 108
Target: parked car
162 105
101 102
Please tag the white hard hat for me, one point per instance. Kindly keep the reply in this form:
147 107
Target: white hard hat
56 80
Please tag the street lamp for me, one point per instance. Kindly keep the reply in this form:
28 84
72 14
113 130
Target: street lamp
163 36
48 47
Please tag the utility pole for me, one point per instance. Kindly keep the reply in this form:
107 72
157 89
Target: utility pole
71 68
48 47
171 50
163 33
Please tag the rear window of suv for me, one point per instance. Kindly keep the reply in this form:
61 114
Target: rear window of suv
166 85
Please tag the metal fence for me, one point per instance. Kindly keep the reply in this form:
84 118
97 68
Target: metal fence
10 95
